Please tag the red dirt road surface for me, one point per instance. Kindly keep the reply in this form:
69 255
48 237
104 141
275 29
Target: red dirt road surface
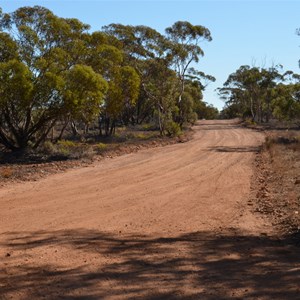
164 223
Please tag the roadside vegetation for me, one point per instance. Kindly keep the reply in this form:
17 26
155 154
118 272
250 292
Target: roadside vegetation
63 87
277 180
260 95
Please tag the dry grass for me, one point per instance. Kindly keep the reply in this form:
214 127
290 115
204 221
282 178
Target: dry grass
280 166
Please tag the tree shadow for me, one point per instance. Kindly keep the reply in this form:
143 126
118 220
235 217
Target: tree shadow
23 158
90 264
217 126
235 149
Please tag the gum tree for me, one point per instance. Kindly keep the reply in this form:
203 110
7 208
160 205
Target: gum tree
42 77
184 43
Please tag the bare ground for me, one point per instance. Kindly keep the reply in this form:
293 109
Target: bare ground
167 223
277 182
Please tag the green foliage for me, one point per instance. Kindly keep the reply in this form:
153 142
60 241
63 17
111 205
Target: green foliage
173 128
66 143
147 126
8 48
124 90
84 93
100 147
48 148
44 48
261 93
286 102
67 149
16 86
123 93
193 117
142 136
184 39
52 69
154 56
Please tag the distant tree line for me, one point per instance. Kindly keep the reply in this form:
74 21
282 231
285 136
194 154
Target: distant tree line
260 94
54 70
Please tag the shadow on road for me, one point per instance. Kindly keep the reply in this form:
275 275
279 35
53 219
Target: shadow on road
234 149
217 126
88 264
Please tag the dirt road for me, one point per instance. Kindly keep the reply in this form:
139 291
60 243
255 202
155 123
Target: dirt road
163 223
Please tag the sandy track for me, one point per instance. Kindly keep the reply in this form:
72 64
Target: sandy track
192 186
164 223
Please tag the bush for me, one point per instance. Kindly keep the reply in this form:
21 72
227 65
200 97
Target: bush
193 117
149 127
66 143
67 149
173 129
100 147
269 142
141 136
130 136
48 148
249 122
81 151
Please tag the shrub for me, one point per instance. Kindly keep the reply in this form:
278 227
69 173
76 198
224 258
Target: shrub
81 151
48 148
148 127
66 143
130 136
193 117
173 129
142 136
100 147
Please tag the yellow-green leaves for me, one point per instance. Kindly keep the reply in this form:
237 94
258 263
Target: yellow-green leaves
15 84
53 69
84 92
42 76
8 48
123 91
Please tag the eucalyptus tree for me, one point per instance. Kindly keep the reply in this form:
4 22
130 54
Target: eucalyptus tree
106 57
251 90
285 102
138 42
145 51
158 58
42 76
121 97
162 92
184 41
242 87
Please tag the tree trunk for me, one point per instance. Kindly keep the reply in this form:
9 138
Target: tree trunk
161 127
74 128
63 130
268 111
44 135
107 124
113 127
86 128
100 125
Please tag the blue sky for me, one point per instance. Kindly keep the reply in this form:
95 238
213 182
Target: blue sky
260 33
